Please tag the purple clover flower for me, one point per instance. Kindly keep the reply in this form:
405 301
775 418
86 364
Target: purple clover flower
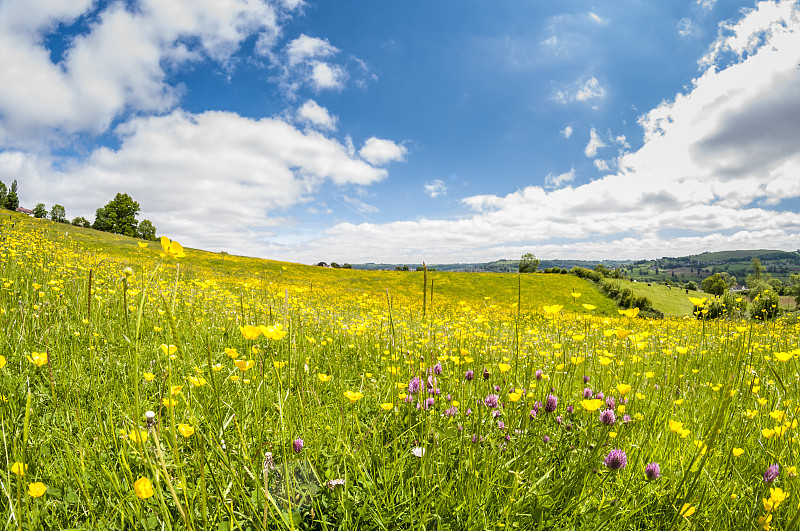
486 373
611 403
469 375
429 402
587 392
551 403
652 471
491 400
452 411
585 378
297 445
570 409
532 414
538 374
546 439
616 459
607 417
772 473
413 385
437 369
626 418
600 395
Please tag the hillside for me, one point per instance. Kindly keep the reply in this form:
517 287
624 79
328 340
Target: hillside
480 291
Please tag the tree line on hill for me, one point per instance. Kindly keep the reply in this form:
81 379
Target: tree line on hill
118 216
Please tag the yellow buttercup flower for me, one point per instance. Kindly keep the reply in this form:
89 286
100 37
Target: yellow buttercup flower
168 350
37 490
232 353
687 510
324 377
148 376
353 396
143 488
250 331
38 359
186 429
172 248
386 406
591 404
19 468
737 452
504 367
244 365
515 396
623 388
2 362
589 307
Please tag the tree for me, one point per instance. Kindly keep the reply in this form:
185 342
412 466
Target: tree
11 200
715 284
147 231
118 216
757 280
794 288
81 221
58 213
3 194
528 263
40 211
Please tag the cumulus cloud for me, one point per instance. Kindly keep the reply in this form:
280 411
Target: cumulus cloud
118 64
435 188
584 92
713 161
380 152
305 48
215 180
312 113
557 181
595 144
566 132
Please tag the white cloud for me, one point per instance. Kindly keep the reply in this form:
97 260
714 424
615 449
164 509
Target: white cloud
116 65
358 205
312 113
379 152
685 27
591 90
584 92
214 180
557 181
713 159
597 18
305 48
595 143
435 188
566 132
706 4
327 76
601 165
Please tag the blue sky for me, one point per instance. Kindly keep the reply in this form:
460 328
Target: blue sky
400 132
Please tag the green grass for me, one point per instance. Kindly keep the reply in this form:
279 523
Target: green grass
670 301
497 435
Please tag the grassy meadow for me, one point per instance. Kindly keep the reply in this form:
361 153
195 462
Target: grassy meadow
144 389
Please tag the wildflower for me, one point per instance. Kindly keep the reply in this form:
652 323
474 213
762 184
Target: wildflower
616 459
172 248
186 430
197 381
333 483
626 418
546 439
551 403
687 510
532 414
417 451
589 307
168 350
469 375
413 385
324 377
386 406
244 365
623 388
2 361
148 376
143 488
138 436
353 396
587 393
771 474
19 468
175 389
504 367
38 359
607 417
297 445
232 353
37 489
491 400
486 373
538 374
437 369
250 332
610 402
429 402
515 396
652 471
452 411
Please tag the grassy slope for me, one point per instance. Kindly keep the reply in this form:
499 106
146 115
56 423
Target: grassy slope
474 289
673 301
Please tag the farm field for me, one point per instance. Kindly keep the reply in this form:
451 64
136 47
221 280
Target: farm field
161 388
